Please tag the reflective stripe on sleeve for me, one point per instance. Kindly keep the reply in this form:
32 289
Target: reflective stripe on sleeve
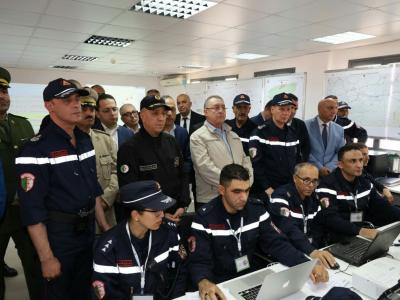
279 200
115 269
274 143
159 258
53 160
326 190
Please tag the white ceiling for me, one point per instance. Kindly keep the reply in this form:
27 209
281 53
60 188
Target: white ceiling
37 33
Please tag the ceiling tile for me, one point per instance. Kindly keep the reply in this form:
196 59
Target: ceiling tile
123 32
82 11
123 4
322 10
94 49
172 39
208 43
38 6
310 31
363 19
18 17
74 25
392 8
52 43
273 24
235 35
59 35
195 28
16 30
373 3
227 15
144 21
383 29
270 6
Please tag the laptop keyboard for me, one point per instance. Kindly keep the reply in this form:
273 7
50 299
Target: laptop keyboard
353 251
251 293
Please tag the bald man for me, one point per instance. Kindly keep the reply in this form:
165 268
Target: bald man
326 137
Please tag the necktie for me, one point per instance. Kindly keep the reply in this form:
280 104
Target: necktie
324 135
184 123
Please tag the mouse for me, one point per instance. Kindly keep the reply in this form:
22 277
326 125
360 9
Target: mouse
336 266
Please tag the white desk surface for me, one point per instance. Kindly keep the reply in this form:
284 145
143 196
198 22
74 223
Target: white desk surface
394 189
341 277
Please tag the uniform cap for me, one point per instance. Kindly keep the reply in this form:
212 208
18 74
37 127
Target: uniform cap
91 99
145 194
343 105
153 102
61 88
241 99
5 78
281 100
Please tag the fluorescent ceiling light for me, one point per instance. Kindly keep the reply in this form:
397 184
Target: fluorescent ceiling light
192 67
79 57
249 56
108 41
344 37
230 78
195 81
181 9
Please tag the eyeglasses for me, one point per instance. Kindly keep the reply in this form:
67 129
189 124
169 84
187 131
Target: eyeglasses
308 181
130 113
111 109
217 108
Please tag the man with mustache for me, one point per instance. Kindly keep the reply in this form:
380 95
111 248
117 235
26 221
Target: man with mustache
106 161
241 124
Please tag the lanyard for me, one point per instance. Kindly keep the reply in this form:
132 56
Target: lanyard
305 219
355 200
237 236
142 268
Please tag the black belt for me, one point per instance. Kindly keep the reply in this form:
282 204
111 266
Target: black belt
70 218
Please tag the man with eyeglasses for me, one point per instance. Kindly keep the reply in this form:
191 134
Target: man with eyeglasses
213 146
350 202
130 117
274 148
293 207
107 113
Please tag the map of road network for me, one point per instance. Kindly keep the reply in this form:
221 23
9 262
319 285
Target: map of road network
373 95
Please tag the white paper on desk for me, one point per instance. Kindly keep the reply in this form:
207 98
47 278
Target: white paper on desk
196 296
310 289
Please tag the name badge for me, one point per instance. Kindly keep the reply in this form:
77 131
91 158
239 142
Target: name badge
356 217
142 297
242 263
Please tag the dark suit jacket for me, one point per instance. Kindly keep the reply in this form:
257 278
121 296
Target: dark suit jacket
182 137
195 120
124 133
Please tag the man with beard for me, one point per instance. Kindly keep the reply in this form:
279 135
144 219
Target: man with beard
106 163
241 124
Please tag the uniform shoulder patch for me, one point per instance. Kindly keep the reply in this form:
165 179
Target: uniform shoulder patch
36 138
205 209
107 245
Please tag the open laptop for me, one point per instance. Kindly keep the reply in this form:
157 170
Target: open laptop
358 250
267 284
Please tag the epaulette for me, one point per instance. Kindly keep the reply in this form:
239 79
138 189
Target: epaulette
100 131
255 201
107 245
18 117
261 126
205 210
36 138
170 224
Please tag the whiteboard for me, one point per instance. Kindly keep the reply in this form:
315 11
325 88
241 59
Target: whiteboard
374 96
260 90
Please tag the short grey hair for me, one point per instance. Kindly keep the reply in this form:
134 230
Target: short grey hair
126 105
301 166
210 97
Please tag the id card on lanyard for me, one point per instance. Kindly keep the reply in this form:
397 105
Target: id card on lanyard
357 216
140 296
242 262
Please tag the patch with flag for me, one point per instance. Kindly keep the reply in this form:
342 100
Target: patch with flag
99 289
27 181
325 202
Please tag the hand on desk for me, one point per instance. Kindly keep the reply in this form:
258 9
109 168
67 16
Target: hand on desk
368 233
325 257
319 274
210 291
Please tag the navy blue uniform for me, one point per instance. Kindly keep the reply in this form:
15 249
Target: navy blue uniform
274 153
339 198
294 216
217 248
302 133
258 120
57 182
352 130
155 158
243 132
117 274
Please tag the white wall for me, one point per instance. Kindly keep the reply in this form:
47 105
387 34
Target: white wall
314 65
44 76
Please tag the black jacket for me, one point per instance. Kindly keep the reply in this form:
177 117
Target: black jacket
352 130
243 132
196 121
144 157
301 131
217 249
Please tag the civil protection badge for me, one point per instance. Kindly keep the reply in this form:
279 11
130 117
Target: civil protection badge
27 181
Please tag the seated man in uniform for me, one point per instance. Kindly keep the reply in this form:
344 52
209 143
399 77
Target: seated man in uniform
227 231
349 200
293 207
